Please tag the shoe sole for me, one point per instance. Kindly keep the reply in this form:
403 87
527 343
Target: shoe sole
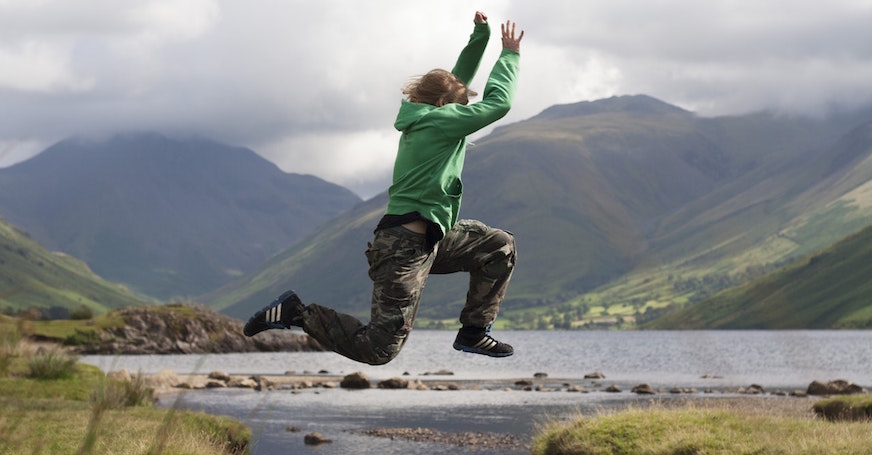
472 350
249 331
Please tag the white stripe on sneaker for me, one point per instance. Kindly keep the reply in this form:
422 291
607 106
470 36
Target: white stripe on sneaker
486 343
274 314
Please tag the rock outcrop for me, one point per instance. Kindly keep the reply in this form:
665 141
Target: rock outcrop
185 329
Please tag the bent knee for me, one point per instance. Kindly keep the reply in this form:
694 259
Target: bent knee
382 356
385 346
505 242
505 238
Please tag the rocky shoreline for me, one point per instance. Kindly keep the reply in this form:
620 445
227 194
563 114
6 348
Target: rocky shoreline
781 402
167 381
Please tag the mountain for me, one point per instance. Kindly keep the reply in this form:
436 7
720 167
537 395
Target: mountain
618 206
829 289
33 277
168 217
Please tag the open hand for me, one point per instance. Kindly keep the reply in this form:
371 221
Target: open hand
509 40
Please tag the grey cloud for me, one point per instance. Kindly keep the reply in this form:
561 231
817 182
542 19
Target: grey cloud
272 73
722 56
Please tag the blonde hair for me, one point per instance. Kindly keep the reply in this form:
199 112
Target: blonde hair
438 87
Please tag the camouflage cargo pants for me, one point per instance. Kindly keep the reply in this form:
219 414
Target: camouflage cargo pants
399 263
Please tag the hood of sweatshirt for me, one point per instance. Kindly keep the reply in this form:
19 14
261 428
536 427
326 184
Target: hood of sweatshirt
410 113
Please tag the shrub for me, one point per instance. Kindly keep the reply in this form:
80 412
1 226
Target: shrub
52 364
82 338
82 313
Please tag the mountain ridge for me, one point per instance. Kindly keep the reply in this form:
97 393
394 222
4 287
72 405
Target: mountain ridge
634 104
169 217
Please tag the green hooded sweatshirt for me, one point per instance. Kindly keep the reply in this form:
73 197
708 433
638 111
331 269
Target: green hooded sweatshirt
432 147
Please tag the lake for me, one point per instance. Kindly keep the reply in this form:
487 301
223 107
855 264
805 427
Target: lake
785 360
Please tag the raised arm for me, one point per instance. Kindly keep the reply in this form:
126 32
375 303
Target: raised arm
498 93
470 57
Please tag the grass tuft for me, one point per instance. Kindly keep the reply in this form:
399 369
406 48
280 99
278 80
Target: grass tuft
117 394
52 364
852 408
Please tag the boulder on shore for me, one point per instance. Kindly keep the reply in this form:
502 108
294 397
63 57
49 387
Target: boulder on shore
314 439
754 389
836 387
643 389
356 380
394 383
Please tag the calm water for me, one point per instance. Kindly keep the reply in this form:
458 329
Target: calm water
776 360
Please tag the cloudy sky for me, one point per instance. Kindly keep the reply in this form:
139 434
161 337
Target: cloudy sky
314 85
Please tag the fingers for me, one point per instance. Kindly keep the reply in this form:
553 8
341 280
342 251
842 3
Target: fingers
509 41
508 30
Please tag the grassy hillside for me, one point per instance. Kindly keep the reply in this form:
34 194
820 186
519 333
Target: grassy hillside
33 277
796 208
828 289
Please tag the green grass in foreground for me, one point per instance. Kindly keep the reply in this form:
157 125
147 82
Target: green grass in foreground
660 431
84 412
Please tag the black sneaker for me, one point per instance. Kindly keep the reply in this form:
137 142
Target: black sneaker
486 345
282 313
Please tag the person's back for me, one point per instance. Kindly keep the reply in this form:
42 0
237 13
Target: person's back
435 120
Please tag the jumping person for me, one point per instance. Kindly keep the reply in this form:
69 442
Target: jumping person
420 233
